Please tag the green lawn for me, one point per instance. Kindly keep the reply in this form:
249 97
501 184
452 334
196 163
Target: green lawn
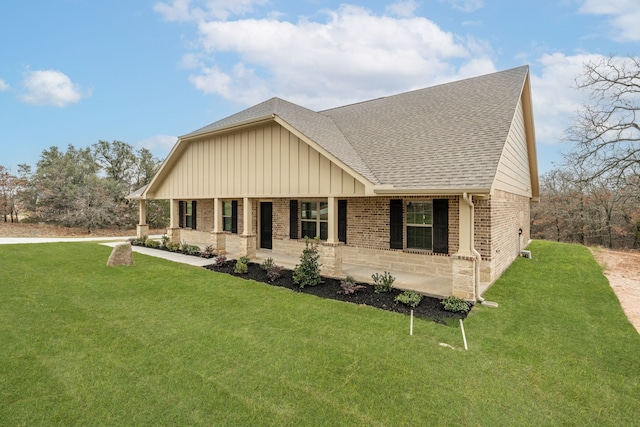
164 344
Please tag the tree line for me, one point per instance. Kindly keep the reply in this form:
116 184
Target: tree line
82 187
593 196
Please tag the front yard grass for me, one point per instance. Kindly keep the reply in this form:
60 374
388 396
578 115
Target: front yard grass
165 344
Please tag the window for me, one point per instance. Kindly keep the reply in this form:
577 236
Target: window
315 219
419 217
187 214
227 218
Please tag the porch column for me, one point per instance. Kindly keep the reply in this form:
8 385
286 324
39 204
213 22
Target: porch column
333 221
463 263
218 238
173 231
248 240
331 250
142 229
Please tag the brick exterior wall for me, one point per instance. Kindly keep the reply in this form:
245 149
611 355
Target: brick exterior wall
496 224
509 213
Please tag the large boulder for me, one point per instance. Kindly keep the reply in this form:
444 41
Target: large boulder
121 255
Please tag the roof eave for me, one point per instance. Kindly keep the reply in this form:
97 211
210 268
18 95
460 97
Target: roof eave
390 190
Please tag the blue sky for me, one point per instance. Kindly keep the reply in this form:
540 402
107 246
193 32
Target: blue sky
147 71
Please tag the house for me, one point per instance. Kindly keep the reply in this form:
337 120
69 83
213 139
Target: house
434 182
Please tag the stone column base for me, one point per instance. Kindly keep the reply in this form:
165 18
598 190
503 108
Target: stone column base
173 234
219 242
331 259
463 271
248 245
142 230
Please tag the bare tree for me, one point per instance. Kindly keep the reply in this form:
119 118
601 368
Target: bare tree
606 131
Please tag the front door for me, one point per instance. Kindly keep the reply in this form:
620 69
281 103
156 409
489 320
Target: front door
266 218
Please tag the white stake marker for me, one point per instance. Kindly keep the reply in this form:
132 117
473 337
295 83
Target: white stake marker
464 337
411 327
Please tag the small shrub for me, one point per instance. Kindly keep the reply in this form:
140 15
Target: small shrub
240 267
173 246
152 244
220 261
455 304
267 264
139 241
307 273
207 252
410 298
274 273
244 259
348 286
164 241
382 283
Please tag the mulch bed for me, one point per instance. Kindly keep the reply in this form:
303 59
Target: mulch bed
429 308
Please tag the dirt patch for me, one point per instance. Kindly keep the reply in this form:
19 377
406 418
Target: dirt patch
623 271
20 229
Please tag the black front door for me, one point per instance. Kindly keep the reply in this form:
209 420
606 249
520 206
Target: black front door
266 218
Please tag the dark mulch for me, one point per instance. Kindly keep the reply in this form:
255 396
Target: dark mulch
429 308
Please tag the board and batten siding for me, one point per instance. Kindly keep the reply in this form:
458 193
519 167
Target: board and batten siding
513 174
266 161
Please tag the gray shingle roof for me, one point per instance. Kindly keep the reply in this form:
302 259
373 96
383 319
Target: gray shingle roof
442 137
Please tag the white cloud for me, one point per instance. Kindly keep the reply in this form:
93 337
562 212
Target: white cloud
50 87
350 56
466 5
625 15
555 99
404 9
4 86
159 145
188 10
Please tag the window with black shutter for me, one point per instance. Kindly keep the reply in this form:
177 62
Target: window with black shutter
187 214
396 216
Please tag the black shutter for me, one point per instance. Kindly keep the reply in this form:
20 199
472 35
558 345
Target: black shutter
396 216
180 214
234 216
342 221
441 226
193 215
293 219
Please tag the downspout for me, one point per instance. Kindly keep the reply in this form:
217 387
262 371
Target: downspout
476 278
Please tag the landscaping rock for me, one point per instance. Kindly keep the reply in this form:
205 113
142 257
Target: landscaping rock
121 255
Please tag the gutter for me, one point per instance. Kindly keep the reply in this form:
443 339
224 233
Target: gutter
389 189
468 199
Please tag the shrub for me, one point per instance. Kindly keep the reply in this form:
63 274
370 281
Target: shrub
207 252
240 267
220 261
274 273
165 241
382 283
410 298
348 286
307 273
267 264
173 246
139 241
244 259
152 244
455 304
